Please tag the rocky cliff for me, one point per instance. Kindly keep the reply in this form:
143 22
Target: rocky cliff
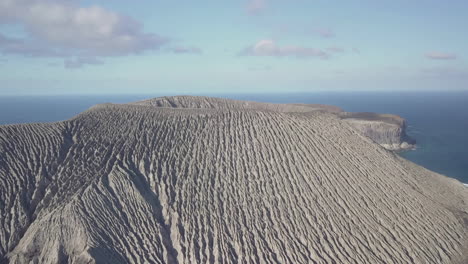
387 130
204 180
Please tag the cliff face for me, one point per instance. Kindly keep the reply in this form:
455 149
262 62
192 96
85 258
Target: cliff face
387 130
203 180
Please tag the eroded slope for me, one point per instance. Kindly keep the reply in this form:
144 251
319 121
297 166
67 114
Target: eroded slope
136 183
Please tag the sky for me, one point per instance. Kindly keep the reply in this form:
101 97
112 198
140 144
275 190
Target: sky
239 46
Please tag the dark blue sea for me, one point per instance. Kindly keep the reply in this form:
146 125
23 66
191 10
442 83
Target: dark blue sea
437 120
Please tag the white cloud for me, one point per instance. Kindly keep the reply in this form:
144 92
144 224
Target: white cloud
80 62
184 50
324 32
336 49
441 56
62 28
255 6
270 48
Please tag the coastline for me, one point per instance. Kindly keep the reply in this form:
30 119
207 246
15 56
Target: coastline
438 129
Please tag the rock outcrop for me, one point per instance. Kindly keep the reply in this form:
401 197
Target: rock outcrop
387 130
203 180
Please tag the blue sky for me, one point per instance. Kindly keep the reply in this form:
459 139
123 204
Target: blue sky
259 46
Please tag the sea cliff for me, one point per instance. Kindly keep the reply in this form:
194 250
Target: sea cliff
387 130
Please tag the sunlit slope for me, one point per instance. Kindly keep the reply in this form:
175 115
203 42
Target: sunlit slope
221 184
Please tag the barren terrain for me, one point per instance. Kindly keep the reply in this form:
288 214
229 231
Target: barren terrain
206 180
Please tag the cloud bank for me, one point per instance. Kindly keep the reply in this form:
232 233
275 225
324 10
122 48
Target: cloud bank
271 49
57 28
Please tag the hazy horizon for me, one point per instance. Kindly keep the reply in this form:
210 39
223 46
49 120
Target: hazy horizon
150 94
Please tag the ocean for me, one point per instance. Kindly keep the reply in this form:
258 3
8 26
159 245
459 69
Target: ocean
437 120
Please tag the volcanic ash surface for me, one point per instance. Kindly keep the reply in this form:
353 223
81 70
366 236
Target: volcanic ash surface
205 180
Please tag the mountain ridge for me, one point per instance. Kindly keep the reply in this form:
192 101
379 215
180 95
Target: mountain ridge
132 183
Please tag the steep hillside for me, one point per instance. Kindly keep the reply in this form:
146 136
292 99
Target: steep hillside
205 180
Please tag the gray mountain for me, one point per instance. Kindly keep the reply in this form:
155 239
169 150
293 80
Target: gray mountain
206 180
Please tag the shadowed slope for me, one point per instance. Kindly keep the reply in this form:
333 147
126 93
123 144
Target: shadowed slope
264 183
